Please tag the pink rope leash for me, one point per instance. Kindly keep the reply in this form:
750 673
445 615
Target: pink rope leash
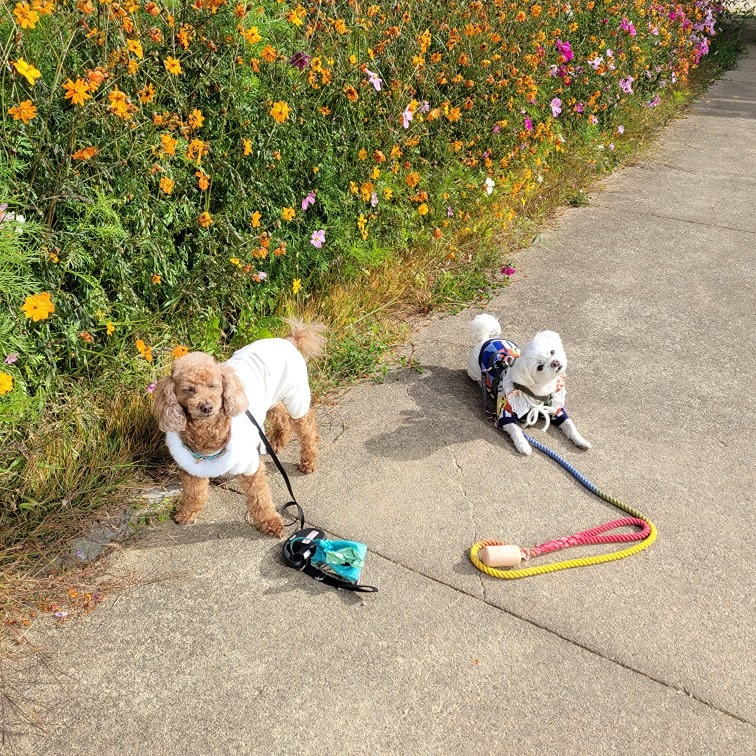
592 536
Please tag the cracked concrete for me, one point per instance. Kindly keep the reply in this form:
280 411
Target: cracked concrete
652 289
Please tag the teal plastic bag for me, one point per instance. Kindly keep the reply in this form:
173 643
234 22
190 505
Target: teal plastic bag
342 559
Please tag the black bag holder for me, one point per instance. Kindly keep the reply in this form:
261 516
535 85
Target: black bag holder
299 549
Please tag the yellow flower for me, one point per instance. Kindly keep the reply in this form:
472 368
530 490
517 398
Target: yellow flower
109 328
172 65
205 220
235 261
119 104
269 54
351 93
288 213
412 179
388 193
340 26
280 111
38 306
256 219
77 91
179 351
26 18
423 209
251 35
25 111
203 180
196 119
247 143
166 185
135 47
296 286
6 383
28 71
156 278
147 94
296 16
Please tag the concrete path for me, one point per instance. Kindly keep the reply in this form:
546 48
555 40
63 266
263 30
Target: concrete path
223 650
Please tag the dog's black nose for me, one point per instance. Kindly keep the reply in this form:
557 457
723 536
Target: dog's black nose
206 408
556 364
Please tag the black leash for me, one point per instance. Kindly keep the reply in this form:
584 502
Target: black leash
299 548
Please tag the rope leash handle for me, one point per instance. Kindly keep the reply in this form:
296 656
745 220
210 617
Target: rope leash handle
645 537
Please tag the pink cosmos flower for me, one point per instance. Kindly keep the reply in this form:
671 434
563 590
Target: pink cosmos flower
556 107
653 103
620 129
496 129
528 124
565 49
626 84
318 238
374 79
11 358
151 387
627 26
261 274
300 60
508 270
579 108
374 199
308 200
592 119
406 117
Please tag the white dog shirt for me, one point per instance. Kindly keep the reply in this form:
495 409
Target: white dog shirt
272 371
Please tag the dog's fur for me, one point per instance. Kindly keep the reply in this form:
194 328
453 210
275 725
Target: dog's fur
540 367
199 399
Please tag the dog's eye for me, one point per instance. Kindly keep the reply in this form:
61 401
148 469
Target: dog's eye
552 352
190 390
212 385
540 367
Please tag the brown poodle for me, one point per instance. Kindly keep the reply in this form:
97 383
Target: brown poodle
201 406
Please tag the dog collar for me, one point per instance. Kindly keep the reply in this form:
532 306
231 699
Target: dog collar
525 390
203 457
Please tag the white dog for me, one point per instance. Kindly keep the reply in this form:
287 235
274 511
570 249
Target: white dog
526 384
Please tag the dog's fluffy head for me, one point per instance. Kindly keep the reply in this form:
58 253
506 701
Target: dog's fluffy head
197 389
541 362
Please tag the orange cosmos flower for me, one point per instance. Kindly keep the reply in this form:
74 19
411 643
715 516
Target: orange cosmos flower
205 220
169 144
340 26
156 278
196 119
288 213
172 65
280 111
25 111
26 17
147 94
85 153
77 91
203 180
144 350
38 306
135 47
166 185
179 351
269 54
351 93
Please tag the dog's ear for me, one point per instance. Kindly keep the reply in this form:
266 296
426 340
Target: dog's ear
234 398
166 408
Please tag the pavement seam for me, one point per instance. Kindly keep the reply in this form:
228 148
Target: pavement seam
565 639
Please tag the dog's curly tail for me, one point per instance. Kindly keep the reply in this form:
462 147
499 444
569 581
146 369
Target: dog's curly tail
309 338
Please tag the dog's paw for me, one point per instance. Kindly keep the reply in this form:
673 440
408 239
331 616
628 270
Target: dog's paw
272 526
582 443
523 446
306 466
185 517
569 430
